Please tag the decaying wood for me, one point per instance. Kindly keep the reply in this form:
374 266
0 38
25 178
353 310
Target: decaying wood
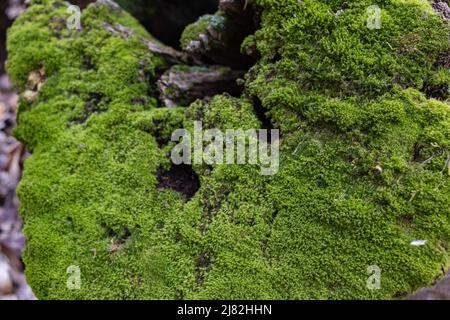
183 85
168 53
222 45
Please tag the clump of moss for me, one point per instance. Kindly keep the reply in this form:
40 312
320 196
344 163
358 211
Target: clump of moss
360 139
89 183
205 24
361 175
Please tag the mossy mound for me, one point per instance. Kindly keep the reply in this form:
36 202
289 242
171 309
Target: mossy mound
363 168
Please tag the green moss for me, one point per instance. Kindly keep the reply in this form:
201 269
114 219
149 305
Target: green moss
339 55
337 91
361 174
215 22
103 170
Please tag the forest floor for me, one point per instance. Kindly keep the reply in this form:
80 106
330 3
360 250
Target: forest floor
12 154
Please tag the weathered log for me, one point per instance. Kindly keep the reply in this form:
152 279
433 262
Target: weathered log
217 38
166 19
168 53
182 85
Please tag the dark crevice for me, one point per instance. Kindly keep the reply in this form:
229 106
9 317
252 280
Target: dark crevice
180 178
5 22
138 101
71 223
202 266
438 92
405 220
157 132
260 112
166 19
271 219
417 153
161 141
444 59
81 3
243 20
276 57
96 103
120 236
161 129
400 295
88 64
218 38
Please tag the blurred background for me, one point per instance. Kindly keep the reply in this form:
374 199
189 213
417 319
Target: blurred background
12 154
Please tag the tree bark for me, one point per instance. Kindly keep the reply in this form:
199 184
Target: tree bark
184 85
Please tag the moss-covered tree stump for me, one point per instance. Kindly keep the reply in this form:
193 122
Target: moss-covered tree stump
364 166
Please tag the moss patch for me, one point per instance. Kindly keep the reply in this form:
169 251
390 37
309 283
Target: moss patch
361 175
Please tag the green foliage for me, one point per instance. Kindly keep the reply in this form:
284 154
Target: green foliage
361 175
